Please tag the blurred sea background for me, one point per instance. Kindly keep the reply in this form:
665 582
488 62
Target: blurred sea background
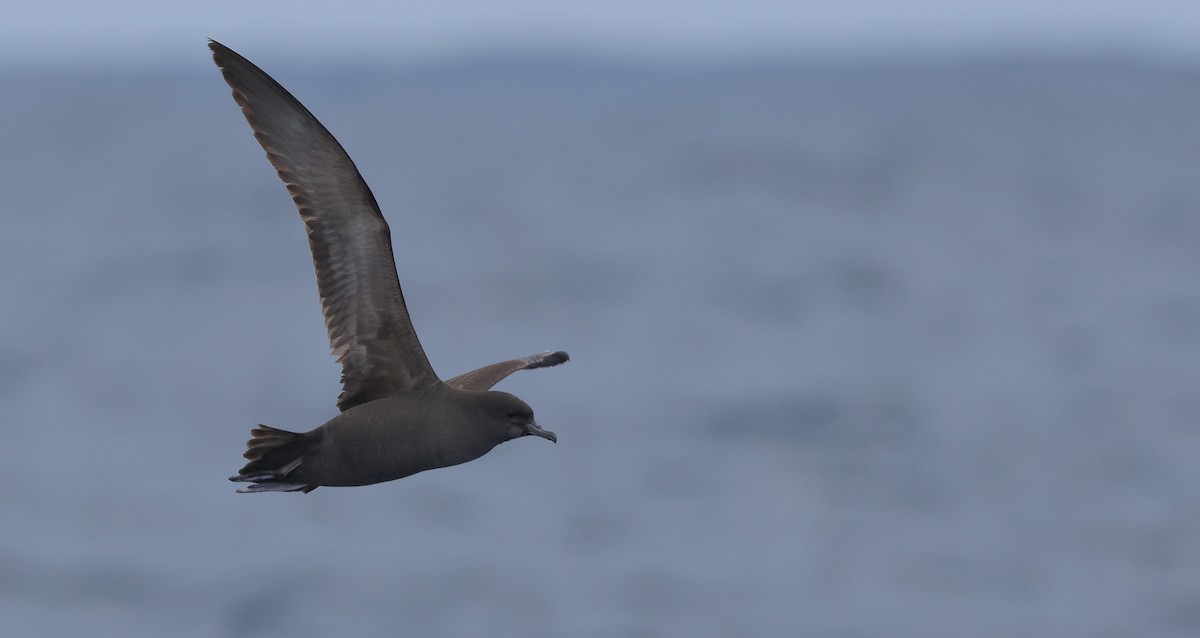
862 345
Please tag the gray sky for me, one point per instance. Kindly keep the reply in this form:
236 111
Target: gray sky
83 30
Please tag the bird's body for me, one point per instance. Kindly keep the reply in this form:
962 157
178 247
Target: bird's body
397 416
395 437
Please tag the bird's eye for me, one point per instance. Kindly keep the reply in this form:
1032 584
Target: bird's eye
511 414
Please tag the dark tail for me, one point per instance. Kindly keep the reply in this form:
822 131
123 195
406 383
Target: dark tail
273 454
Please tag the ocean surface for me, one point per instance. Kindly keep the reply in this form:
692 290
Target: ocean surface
874 349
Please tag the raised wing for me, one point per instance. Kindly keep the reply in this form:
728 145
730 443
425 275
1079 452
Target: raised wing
488 376
370 332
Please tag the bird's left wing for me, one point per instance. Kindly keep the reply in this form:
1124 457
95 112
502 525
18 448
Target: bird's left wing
486 377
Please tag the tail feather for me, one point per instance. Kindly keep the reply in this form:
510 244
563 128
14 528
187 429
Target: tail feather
272 454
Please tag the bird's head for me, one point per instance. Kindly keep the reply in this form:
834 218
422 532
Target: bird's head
512 416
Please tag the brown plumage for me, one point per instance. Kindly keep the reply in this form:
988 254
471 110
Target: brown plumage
391 398
487 376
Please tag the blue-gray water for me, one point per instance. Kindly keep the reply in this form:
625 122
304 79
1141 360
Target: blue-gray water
858 350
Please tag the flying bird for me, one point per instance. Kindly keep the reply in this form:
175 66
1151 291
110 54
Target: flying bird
397 416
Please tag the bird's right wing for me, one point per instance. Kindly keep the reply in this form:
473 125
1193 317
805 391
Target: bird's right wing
370 332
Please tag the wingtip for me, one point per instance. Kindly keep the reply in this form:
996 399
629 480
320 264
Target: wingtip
222 54
549 358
